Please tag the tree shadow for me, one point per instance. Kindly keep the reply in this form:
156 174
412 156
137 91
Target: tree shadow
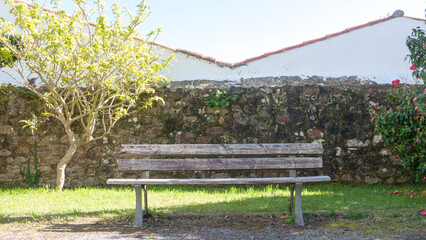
222 214
267 212
251 212
65 217
180 222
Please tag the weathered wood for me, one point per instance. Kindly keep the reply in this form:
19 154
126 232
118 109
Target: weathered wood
222 149
218 164
265 160
217 181
298 214
138 211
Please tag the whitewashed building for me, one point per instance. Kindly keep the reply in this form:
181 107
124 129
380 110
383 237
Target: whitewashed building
373 51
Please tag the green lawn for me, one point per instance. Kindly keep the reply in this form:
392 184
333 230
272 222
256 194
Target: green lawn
32 205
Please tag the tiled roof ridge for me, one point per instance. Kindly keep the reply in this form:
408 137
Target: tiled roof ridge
350 29
237 64
374 22
415 18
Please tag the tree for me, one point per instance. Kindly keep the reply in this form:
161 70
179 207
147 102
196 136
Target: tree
403 125
7 57
89 75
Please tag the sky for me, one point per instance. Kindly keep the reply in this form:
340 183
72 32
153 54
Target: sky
234 30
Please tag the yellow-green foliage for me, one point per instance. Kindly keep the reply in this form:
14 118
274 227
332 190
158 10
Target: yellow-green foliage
93 74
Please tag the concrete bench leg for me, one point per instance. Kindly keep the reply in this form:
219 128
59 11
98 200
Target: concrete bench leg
138 212
298 215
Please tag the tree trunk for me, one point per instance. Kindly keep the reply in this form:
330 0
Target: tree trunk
60 169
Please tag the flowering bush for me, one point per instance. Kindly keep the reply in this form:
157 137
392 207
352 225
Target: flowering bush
403 126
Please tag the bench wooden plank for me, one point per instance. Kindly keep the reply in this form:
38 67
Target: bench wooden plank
223 149
220 157
218 181
218 164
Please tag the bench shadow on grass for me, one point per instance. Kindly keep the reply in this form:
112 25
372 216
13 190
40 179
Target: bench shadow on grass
121 220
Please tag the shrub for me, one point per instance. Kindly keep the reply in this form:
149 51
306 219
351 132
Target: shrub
403 125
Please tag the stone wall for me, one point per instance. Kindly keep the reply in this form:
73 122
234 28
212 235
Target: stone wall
334 114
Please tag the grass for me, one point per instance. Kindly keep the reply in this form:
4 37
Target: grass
19 205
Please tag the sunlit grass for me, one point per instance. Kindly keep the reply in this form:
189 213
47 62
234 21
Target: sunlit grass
363 200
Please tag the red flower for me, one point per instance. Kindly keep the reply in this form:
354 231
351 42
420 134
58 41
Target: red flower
424 91
413 67
378 108
397 155
423 212
395 82
374 118
417 140
415 99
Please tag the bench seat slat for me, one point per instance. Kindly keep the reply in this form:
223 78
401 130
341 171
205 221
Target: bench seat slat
218 164
223 149
217 181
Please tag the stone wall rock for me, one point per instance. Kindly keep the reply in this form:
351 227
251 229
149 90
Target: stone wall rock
336 115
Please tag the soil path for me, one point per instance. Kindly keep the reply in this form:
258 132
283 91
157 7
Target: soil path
184 226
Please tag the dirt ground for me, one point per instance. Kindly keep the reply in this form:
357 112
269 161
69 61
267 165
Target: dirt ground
214 226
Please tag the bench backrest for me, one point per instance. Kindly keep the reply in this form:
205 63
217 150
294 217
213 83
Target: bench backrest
176 157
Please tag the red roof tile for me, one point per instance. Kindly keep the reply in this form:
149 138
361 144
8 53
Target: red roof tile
158 44
357 27
195 54
315 40
336 33
222 63
415 18
293 47
211 59
250 60
273 52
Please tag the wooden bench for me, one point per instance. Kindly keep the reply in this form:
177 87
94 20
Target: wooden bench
209 157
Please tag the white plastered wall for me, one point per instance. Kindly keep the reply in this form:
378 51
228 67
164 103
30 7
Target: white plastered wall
374 53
